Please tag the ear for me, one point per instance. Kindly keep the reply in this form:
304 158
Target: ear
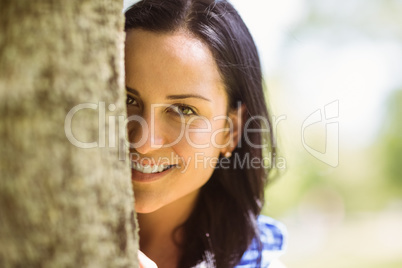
235 125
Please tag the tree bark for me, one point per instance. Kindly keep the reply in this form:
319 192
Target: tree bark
62 205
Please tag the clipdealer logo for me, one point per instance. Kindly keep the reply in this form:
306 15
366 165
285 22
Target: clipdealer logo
328 118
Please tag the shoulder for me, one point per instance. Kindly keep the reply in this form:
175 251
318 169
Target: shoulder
273 233
268 246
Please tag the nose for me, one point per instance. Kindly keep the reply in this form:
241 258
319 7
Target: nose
145 133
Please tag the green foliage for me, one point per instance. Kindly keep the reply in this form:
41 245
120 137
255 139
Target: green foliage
391 139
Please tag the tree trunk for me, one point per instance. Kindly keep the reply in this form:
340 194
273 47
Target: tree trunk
65 197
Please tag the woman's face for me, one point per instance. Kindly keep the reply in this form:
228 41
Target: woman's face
178 108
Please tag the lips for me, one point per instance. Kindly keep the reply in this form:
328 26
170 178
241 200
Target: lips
149 173
150 169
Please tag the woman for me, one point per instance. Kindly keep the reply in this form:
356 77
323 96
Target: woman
198 133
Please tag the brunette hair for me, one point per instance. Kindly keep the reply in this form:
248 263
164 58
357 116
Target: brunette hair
223 223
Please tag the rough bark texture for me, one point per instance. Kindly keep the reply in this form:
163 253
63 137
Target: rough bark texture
60 205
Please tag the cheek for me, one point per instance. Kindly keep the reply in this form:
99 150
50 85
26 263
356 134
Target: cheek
190 137
198 142
210 134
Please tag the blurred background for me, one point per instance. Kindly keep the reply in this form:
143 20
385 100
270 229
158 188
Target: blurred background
333 71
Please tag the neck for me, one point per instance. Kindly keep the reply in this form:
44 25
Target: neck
157 229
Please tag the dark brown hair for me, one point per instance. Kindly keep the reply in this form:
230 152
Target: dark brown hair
223 222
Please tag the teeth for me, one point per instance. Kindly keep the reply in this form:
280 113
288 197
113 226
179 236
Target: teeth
148 169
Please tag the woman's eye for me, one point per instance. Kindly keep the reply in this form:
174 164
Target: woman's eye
183 110
131 101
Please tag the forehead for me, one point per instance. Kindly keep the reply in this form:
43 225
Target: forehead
172 61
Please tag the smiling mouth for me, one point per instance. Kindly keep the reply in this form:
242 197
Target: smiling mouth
150 169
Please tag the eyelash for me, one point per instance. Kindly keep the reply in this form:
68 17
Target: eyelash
175 108
130 100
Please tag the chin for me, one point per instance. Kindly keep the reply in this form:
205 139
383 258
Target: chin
143 208
144 211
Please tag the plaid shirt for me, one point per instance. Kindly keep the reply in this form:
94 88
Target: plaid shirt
273 242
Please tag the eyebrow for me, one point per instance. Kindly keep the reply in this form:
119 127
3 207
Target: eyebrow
173 97
132 90
186 96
